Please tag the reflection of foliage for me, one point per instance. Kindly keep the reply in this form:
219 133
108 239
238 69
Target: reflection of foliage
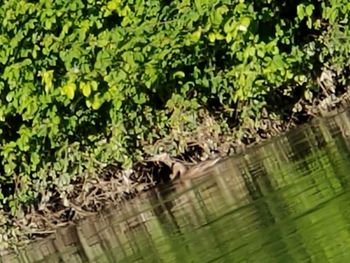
300 208
84 82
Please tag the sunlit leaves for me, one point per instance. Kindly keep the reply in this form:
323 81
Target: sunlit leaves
96 102
216 17
195 36
113 5
69 90
85 88
68 67
244 24
47 78
306 11
140 98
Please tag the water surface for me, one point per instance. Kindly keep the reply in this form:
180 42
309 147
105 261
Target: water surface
287 200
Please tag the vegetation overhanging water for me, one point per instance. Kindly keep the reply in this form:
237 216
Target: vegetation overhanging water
91 91
285 200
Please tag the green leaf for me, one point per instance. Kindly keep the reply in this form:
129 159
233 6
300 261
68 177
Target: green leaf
179 74
301 11
9 96
140 98
85 88
212 37
309 23
229 25
69 90
113 5
94 85
217 16
198 4
97 102
47 77
195 36
35 158
228 38
309 9
244 24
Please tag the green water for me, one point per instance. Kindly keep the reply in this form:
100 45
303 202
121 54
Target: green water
285 201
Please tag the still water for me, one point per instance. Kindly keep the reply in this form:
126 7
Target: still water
287 200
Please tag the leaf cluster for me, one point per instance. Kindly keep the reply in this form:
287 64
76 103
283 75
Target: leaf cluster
87 82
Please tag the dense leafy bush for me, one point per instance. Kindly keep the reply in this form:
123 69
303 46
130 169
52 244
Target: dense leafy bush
88 82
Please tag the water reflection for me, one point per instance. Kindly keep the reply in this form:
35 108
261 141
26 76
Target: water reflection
287 200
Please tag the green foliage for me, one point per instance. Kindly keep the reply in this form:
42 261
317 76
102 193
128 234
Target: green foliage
84 82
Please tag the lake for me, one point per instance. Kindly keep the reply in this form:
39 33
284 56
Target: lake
286 200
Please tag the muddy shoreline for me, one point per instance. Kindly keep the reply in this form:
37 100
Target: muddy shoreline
113 185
